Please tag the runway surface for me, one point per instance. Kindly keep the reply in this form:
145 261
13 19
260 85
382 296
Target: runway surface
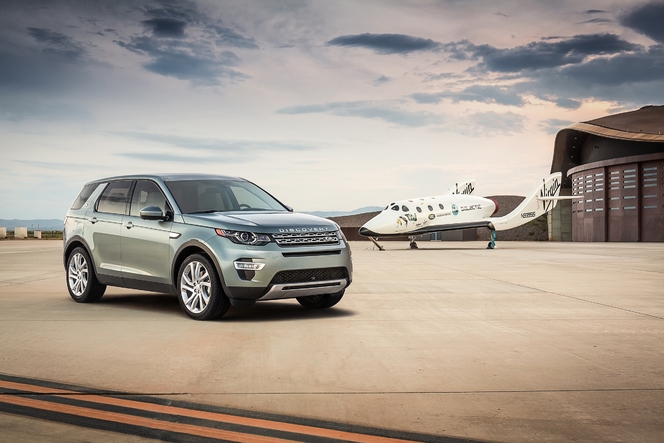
530 342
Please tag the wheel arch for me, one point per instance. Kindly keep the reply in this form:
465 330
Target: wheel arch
74 243
189 248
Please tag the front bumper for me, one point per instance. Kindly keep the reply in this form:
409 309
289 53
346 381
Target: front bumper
259 285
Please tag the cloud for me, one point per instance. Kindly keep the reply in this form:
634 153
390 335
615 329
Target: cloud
387 112
540 54
647 19
386 43
491 123
567 103
15 110
219 145
197 55
430 77
166 27
380 80
58 44
185 61
595 11
176 158
554 125
631 79
478 93
596 20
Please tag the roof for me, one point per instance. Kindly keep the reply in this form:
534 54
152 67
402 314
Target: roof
647 120
355 220
642 125
169 177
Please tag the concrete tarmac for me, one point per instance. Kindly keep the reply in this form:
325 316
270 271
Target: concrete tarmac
545 342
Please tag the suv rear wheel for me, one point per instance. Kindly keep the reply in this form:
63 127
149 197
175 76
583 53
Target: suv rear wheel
320 301
82 282
199 289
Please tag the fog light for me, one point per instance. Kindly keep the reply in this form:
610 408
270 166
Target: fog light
248 266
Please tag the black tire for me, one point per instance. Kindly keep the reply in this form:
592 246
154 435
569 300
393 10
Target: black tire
192 290
322 301
81 279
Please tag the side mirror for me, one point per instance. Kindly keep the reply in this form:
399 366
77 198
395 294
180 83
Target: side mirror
289 208
152 213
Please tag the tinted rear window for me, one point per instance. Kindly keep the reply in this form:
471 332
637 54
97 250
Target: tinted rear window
84 195
114 198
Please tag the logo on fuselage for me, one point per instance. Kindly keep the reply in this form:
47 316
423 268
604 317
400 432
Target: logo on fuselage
455 210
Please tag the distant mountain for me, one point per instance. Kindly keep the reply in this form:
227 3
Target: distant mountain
51 224
326 214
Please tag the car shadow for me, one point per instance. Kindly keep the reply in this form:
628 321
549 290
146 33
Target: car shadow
282 311
152 302
261 312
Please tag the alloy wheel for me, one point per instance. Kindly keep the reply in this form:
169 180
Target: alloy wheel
77 274
195 287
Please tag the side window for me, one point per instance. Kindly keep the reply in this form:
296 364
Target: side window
84 195
147 193
114 198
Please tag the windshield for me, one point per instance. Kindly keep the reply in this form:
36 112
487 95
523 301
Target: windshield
201 196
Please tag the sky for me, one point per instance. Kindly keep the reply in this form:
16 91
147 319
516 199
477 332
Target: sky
327 105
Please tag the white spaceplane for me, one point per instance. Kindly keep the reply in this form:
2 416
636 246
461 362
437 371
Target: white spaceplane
459 209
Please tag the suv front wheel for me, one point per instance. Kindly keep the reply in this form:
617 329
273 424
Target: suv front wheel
82 282
199 289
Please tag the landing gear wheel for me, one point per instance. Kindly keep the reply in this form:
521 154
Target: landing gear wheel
82 282
491 245
199 289
413 245
320 301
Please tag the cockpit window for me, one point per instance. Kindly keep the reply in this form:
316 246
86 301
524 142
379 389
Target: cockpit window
418 209
440 205
430 208
395 208
404 208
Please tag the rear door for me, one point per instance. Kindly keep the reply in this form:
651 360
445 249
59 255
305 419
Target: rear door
146 251
104 227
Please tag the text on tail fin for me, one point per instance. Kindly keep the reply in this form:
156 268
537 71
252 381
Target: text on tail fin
550 191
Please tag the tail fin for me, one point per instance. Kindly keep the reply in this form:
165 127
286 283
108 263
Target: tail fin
466 187
540 201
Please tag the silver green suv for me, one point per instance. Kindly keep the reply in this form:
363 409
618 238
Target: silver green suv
214 241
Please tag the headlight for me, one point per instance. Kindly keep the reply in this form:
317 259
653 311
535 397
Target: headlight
244 238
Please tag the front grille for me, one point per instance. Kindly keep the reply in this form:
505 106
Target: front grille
306 238
309 275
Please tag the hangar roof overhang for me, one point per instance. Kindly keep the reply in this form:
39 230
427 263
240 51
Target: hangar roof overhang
642 125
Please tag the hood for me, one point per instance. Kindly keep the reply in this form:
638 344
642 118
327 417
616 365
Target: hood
262 222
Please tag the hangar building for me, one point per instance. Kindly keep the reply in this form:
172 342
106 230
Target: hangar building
617 164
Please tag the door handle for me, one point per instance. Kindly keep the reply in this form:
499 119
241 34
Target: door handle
129 225
93 220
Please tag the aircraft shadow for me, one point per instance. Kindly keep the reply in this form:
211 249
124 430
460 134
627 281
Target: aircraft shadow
261 312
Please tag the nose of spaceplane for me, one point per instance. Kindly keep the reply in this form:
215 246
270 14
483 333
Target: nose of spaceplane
367 232
370 228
